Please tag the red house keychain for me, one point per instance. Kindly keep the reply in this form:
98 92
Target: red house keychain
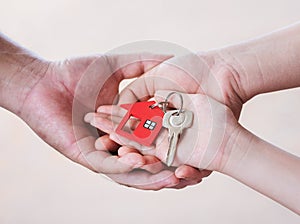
150 122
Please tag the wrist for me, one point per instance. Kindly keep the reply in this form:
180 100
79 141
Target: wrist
265 168
266 64
240 141
240 63
223 83
20 72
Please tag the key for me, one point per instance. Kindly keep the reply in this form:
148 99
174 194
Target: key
176 123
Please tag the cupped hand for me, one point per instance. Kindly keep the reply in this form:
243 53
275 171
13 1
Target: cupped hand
205 145
204 73
54 108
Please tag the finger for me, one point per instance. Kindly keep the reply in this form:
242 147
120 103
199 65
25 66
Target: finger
134 160
105 143
189 176
100 160
152 164
185 183
129 66
105 123
89 117
112 110
176 74
124 150
188 173
206 173
118 111
146 181
130 143
133 65
103 74
108 124
138 90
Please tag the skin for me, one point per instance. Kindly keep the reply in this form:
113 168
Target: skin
52 98
228 77
202 145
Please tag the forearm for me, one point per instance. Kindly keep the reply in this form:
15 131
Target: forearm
265 64
265 168
19 72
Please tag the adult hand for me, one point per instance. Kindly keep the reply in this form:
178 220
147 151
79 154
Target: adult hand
55 106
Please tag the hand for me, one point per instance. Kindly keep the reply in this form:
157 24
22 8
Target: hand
55 106
206 144
205 73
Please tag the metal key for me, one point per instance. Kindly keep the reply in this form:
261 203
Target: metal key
176 122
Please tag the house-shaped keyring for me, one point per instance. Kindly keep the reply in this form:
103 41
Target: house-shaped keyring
150 122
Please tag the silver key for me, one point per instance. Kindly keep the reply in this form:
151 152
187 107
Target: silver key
176 123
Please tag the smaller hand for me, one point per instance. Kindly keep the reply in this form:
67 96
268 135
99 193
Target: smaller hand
204 145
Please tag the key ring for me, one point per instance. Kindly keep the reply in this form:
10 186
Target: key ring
164 104
181 102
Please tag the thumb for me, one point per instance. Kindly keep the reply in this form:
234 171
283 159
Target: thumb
134 65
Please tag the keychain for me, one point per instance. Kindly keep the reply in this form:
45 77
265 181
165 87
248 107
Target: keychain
153 116
150 122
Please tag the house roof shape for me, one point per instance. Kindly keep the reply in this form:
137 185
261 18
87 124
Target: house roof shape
150 122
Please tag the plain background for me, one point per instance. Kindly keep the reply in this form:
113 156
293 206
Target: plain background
38 185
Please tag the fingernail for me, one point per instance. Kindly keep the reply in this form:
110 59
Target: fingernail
87 118
180 175
100 109
93 122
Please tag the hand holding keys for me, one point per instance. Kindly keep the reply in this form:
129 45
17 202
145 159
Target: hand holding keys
175 121
199 132
151 117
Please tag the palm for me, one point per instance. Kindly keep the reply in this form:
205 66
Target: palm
204 143
48 108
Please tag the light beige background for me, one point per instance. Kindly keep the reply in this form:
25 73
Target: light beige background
38 185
